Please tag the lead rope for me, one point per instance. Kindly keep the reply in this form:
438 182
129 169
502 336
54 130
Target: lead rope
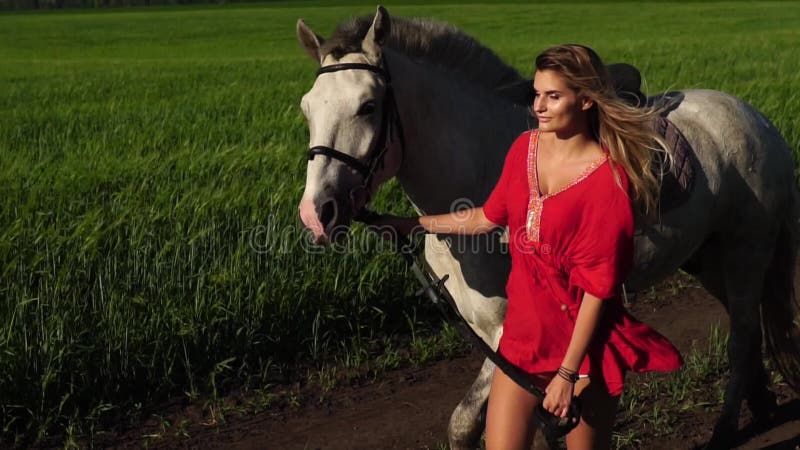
553 427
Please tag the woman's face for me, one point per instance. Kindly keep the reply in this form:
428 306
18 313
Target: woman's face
557 107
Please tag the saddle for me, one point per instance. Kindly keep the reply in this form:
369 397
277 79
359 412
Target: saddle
677 178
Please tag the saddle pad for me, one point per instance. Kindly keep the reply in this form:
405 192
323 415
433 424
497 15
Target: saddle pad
677 181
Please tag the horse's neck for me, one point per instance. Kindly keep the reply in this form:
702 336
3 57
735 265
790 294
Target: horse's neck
456 139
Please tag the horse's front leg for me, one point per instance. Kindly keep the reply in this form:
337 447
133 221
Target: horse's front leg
469 418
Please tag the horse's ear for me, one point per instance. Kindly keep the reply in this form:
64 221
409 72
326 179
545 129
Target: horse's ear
309 40
377 34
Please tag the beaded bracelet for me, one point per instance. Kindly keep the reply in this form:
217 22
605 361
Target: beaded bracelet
567 374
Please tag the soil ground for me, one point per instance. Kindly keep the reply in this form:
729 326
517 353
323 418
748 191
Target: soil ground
410 408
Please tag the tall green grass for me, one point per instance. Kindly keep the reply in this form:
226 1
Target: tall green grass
151 162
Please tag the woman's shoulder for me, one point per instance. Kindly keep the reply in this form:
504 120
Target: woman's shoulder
605 192
524 139
613 179
519 148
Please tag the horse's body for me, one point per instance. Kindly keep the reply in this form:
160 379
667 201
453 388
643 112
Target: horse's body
736 232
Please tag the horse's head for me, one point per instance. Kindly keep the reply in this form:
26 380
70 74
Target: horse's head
352 121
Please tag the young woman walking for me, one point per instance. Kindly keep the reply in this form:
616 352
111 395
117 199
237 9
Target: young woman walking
569 192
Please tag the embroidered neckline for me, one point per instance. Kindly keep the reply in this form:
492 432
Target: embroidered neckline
534 163
536 198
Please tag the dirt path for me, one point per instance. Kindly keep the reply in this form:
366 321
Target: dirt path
410 409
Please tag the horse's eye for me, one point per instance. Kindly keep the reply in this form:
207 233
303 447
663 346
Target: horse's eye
366 108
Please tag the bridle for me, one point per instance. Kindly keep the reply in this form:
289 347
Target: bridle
390 123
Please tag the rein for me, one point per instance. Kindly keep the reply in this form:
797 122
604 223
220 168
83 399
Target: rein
552 426
390 121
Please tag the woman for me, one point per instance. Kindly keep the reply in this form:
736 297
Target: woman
566 194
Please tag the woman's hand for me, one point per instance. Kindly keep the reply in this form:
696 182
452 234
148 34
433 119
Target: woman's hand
558 396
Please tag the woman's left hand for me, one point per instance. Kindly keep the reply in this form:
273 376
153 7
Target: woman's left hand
558 396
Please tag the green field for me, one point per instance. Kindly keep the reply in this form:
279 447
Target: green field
151 162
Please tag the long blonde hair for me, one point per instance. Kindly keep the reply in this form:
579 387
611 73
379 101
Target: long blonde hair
626 131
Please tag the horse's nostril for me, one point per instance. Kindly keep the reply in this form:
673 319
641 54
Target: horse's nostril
327 213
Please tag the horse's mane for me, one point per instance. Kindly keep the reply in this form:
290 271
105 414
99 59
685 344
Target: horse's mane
441 45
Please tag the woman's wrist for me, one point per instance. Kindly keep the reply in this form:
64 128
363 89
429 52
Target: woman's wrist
568 374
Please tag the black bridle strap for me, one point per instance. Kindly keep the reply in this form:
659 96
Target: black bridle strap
389 116
341 156
355 66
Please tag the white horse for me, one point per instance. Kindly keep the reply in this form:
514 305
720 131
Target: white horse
460 108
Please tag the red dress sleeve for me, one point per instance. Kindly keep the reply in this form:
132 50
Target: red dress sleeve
602 254
496 206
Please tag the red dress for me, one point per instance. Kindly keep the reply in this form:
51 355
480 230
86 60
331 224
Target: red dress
562 245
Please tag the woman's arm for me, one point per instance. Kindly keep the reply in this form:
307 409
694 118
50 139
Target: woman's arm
585 324
559 391
467 221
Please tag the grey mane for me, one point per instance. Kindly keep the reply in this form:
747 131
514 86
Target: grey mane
439 44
